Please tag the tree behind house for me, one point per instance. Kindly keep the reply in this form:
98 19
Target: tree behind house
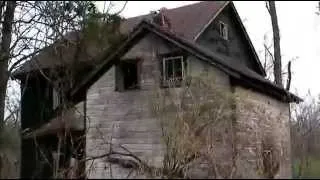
27 27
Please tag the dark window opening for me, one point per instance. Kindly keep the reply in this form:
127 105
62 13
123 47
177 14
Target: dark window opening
130 73
127 75
223 30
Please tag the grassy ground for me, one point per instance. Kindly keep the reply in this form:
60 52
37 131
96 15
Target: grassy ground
313 171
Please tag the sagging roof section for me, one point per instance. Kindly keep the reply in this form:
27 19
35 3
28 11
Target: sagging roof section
69 119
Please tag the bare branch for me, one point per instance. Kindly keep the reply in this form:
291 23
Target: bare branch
123 7
289 77
269 52
22 59
267 6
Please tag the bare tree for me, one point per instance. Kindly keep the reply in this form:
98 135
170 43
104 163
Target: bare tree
28 27
268 64
276 60
7 9
276 39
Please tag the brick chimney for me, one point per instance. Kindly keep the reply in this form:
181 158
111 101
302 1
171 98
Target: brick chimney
162 20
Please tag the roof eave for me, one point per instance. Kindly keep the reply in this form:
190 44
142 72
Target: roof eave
270 89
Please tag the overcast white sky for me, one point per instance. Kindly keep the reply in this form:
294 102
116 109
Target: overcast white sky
299 31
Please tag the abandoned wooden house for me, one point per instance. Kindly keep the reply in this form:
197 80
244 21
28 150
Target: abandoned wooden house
110 96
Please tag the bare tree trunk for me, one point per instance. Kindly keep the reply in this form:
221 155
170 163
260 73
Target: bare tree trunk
276 41
4 54
3 84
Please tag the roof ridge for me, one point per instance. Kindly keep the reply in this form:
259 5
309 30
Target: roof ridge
169 9
186 5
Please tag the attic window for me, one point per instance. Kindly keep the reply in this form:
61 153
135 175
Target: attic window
172 70
127 75
223 30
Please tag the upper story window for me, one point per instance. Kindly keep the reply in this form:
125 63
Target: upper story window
223 30
127 75
56 99
172 70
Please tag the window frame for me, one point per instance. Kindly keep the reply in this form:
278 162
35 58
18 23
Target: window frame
223 31
164 81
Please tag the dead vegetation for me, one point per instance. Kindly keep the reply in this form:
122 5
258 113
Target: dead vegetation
193 120
10 150
197 123
27 28
305 129
199 137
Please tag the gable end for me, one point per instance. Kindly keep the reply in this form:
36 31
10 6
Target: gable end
239 47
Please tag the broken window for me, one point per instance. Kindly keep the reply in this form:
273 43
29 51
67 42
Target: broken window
173 70
127 75
223 30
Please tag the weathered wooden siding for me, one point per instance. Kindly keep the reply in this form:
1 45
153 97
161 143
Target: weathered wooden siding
125 117
261 117
199 68
236 48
